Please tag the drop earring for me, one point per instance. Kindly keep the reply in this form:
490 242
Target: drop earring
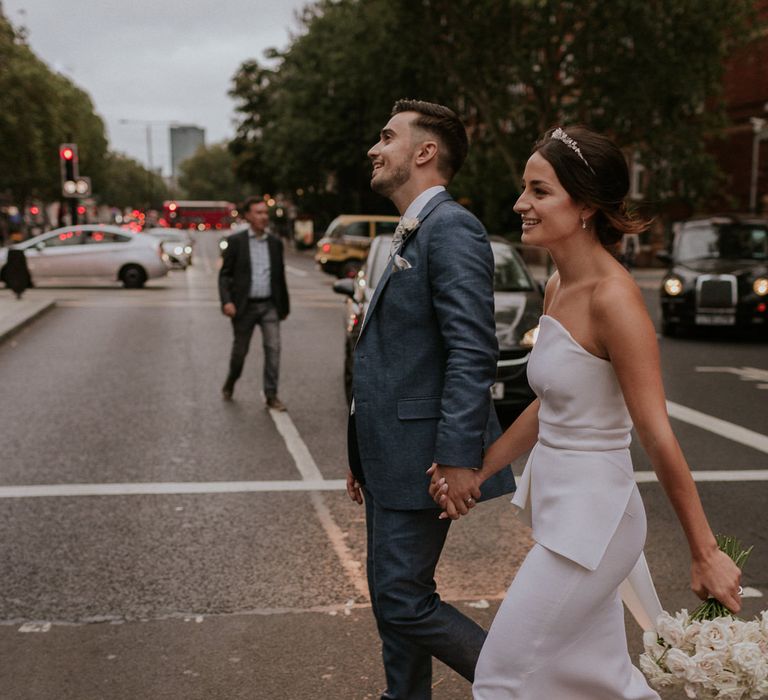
584 223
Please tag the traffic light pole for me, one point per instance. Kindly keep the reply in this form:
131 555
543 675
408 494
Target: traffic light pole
73 204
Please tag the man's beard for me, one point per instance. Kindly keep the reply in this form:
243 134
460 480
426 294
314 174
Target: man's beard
389 184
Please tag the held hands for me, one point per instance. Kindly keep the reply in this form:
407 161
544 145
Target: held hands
454 489
715 575
229 310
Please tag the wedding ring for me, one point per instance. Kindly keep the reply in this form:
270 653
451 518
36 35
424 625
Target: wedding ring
469 501
740 591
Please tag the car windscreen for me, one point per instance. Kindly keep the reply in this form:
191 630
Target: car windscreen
723 241
509 274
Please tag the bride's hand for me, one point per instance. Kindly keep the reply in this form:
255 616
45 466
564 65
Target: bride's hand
717 576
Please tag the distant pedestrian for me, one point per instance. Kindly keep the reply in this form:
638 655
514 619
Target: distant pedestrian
253 292
16 273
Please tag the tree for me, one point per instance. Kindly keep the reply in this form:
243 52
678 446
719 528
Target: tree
39 109
648 74
211 174
127 183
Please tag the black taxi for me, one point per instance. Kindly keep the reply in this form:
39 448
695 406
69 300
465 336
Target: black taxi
718 274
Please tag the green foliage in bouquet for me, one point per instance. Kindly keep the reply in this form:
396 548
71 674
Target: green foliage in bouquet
712 608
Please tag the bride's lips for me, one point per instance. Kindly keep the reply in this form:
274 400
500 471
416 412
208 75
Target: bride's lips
529 222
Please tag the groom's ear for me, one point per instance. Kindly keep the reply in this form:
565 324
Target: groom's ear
426 151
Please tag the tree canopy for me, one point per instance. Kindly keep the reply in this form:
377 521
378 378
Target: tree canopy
210 174
648 74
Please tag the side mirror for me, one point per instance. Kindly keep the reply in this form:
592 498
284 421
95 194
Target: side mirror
40 246
664 256
345 286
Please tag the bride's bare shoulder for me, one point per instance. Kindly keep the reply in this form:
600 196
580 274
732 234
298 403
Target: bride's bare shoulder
616 296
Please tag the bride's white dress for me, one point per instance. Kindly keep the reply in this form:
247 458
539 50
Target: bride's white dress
559 634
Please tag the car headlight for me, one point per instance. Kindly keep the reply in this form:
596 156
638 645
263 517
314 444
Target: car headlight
178 250
673 286
530 337
760 286
188 250
223 245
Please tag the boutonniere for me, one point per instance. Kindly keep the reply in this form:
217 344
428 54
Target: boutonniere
409 226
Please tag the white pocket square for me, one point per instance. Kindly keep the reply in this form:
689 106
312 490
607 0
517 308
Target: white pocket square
401 263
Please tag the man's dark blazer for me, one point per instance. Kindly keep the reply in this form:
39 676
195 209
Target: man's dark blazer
235 273
425 362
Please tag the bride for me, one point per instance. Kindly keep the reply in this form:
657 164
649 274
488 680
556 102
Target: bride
559 633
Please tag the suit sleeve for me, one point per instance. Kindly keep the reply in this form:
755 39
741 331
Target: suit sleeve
461 271
283 283
227 273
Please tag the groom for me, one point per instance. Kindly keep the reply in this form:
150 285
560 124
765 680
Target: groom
424 364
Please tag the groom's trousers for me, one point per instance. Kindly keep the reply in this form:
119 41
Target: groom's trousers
414 624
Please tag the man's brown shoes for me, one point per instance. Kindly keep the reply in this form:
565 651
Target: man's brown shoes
276 404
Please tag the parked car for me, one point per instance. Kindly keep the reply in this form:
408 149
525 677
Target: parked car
519 303
718 274
93 250
344 247
177 245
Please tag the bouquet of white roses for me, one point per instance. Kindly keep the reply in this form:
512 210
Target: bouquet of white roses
710 653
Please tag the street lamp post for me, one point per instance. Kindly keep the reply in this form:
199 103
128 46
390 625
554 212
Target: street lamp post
759 133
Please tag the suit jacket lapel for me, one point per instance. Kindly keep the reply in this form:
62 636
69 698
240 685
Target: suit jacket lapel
428 208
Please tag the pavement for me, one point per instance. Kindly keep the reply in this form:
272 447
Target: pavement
15 313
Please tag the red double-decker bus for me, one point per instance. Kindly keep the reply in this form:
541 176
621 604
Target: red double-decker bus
200 215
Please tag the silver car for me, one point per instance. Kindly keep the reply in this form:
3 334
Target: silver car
93 250
177 245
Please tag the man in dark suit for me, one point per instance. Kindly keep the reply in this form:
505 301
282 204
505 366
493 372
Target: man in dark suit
253 292
424 365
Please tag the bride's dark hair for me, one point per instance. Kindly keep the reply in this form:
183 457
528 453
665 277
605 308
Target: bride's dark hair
593 171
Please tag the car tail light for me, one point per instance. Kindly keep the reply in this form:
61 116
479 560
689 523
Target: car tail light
326 247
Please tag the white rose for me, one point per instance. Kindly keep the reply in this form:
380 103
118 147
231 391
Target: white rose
749 632
747 657
670 629
691 635
679 663
764 623
715 635
708 664
652 646
729 686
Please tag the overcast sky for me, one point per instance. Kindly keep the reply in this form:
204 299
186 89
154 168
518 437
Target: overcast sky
156 60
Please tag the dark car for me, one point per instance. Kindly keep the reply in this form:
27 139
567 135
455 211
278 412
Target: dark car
718 275
518 300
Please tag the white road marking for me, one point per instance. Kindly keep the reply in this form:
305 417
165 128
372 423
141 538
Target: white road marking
169 488
731 431
746 374
713 475
750 592
309 472
295 271
296 446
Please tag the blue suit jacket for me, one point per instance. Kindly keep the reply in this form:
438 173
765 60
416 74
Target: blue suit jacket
425 361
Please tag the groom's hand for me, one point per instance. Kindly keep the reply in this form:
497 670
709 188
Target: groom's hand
454 489
354 488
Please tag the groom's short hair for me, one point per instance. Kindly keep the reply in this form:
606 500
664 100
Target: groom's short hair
443 123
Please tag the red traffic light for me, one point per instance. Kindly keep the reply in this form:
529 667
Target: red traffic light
34 210
67 153
81 209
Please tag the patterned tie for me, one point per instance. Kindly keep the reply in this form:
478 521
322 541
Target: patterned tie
397 239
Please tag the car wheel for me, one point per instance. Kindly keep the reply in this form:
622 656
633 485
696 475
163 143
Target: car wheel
133 276
350 269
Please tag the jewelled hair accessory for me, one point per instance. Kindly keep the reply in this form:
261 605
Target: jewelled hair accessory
560 135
